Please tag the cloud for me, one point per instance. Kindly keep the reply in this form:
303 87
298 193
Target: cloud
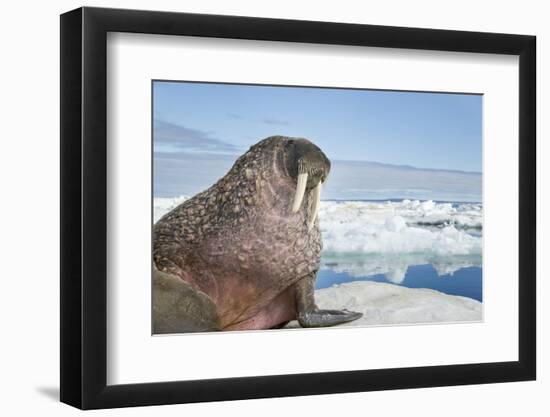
234 116
170 137
276 122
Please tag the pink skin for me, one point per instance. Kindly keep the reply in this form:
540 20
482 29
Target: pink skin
278 312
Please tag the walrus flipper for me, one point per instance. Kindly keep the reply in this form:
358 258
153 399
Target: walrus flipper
309 315
180 308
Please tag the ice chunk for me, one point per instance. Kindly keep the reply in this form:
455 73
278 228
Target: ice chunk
401 227
386 304
162 205
395 224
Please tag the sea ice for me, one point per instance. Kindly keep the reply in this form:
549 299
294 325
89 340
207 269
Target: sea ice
365 238
401 227
162 205
385 304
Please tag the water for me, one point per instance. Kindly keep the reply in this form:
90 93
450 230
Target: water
415 244
466 282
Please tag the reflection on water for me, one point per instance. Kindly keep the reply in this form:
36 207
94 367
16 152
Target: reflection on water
418 244
455 275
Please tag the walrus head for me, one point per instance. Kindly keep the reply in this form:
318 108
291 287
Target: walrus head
309 167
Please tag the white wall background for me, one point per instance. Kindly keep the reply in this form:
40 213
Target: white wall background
29 237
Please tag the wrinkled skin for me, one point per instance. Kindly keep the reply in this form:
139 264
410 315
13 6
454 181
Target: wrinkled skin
236 256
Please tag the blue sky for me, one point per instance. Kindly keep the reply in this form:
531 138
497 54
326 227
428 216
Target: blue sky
425 130
217 122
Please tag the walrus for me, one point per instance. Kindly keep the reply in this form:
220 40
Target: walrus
244 254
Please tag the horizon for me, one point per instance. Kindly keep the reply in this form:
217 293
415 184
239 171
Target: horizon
368 200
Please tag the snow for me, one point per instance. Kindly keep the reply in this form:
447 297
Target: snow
385 304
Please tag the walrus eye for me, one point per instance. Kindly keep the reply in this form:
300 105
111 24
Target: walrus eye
300 191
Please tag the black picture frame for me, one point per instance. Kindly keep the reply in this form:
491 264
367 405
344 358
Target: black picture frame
84 207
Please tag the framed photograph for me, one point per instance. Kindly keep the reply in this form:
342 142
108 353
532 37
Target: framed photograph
258 208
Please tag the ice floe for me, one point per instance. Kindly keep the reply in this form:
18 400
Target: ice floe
386 304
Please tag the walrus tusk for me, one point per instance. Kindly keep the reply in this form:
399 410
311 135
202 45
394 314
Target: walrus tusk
315 205
300 191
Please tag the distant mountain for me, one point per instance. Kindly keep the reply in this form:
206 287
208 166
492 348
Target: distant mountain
352 180
186 173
